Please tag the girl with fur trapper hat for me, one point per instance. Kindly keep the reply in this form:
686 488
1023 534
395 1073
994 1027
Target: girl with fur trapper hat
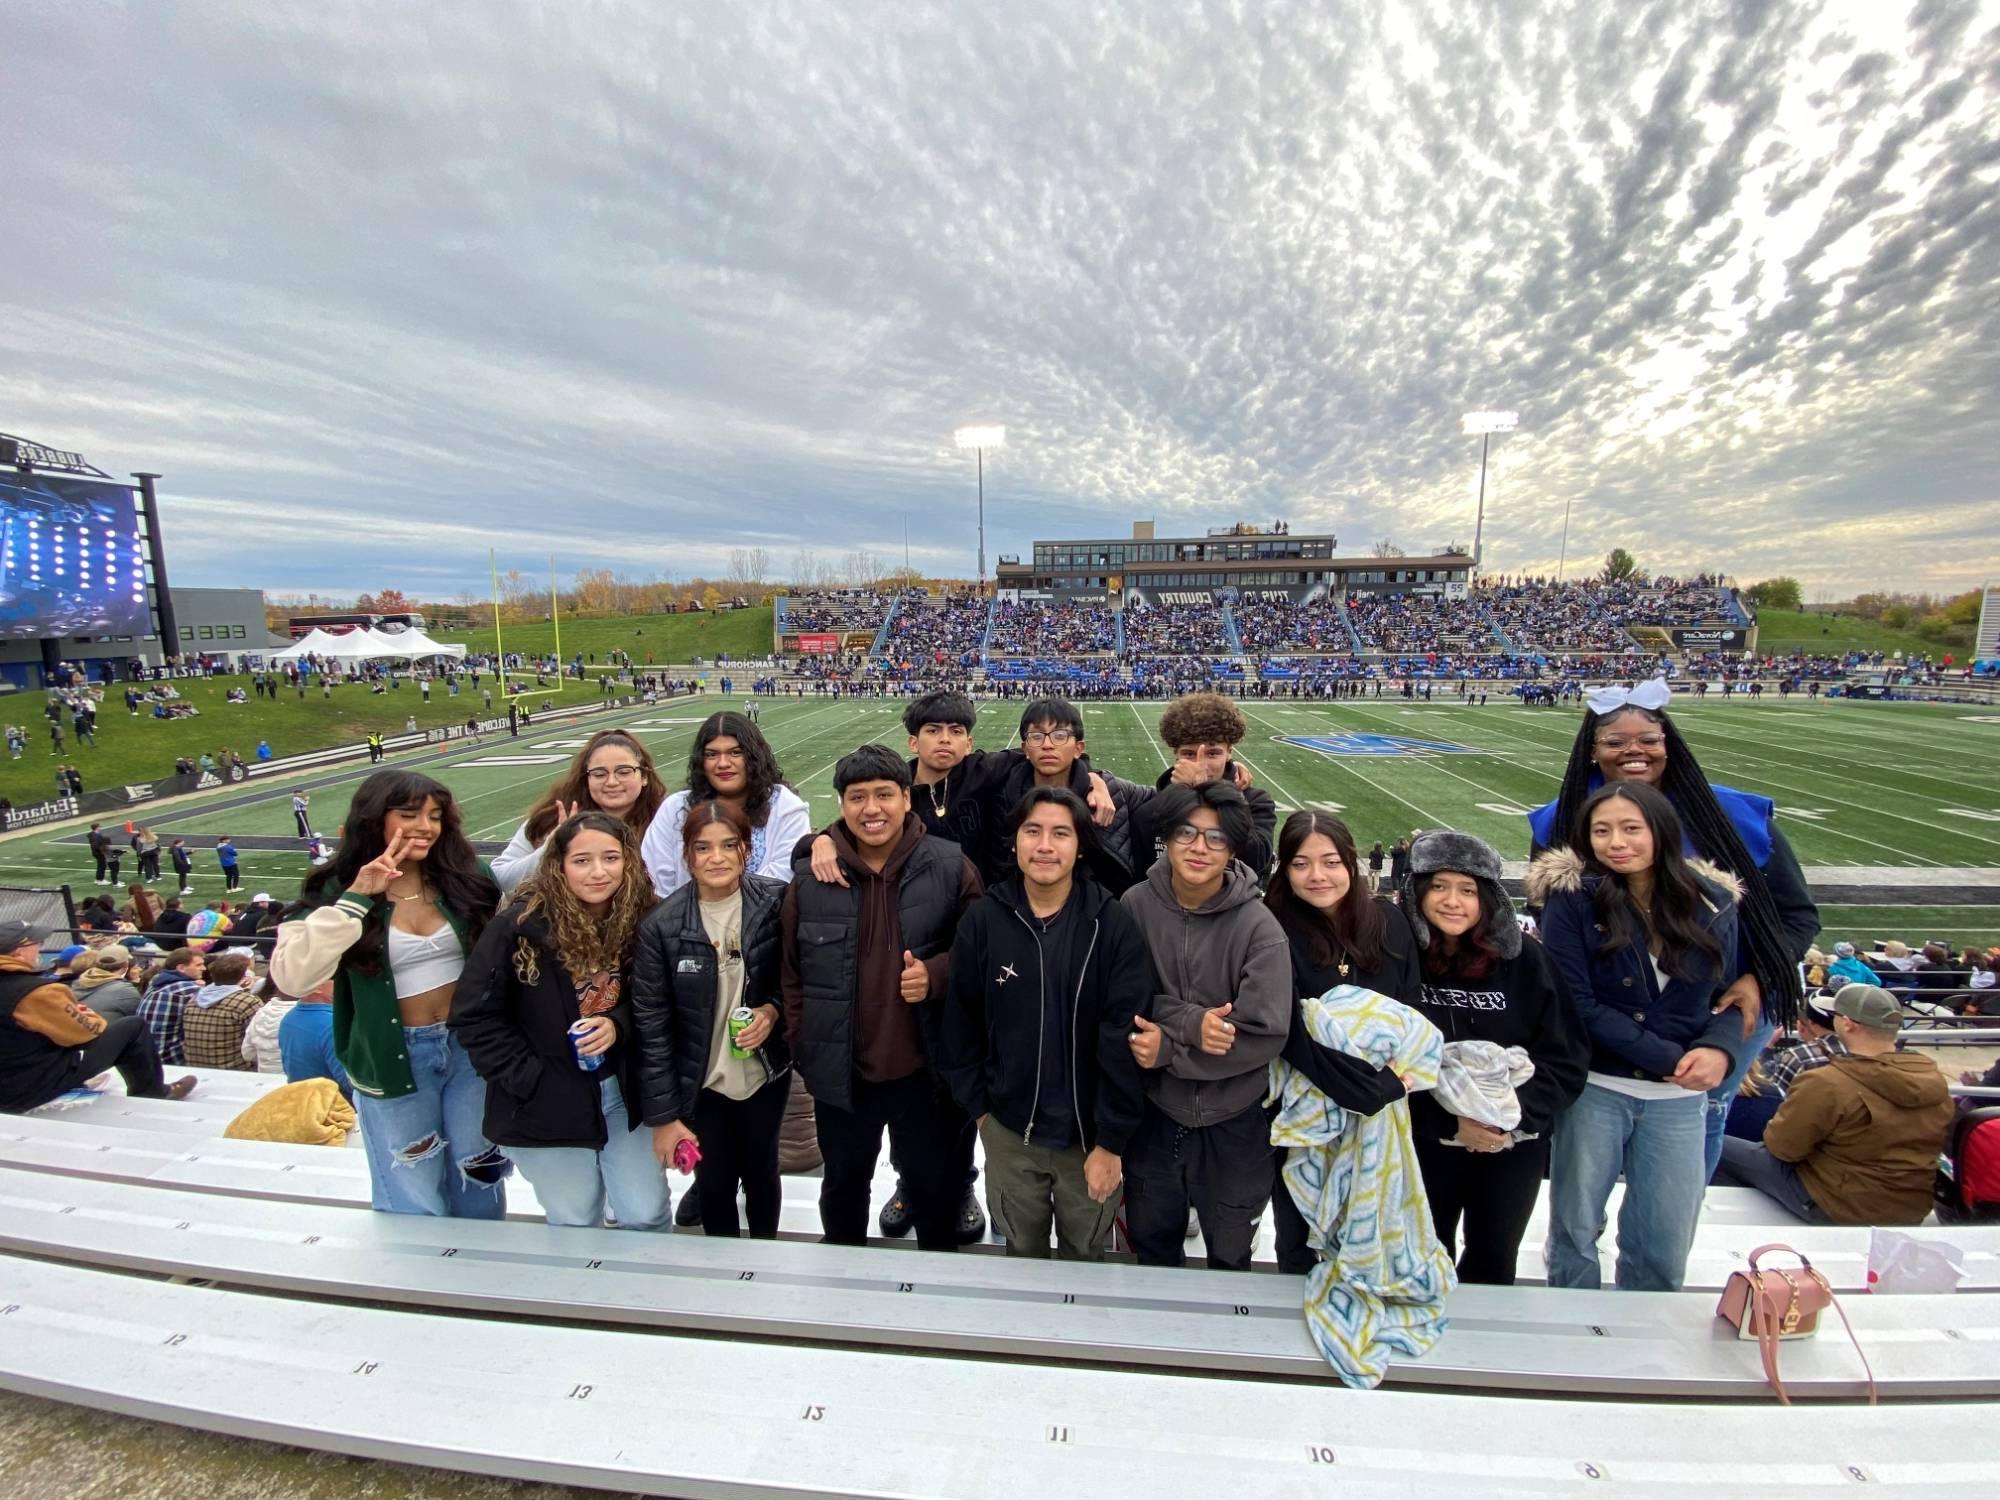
1627 735
1482 983
1646 941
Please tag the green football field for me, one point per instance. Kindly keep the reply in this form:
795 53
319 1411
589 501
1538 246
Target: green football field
1870 785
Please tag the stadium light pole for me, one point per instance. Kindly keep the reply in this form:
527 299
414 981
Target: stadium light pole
1484 424
979 439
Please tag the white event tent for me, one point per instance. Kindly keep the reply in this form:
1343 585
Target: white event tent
368 645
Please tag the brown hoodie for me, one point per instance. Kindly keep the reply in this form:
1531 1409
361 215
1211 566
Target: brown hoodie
1865 1133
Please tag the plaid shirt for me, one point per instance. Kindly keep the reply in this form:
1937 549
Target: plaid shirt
214 1033
163 1010
1785 1068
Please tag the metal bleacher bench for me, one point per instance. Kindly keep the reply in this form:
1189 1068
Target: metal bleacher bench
153 1143
720 1367
690 1416
1506 1338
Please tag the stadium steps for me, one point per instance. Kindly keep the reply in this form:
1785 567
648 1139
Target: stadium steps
1119 647
1230 632
1506 643
986 635
880 644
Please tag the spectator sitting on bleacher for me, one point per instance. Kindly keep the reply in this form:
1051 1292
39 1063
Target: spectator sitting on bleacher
1847 967
1819 1044
305 1041
1857 1141
106 986
1934 970
51 1043
1985 969
213 1025
260 1037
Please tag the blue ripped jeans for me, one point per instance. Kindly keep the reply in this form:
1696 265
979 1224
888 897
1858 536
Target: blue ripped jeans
1723 1095
427 1151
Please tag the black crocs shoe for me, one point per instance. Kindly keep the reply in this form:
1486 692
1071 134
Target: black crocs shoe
687 1212
971 1219
895 1216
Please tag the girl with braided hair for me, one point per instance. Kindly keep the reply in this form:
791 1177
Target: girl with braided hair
1627 735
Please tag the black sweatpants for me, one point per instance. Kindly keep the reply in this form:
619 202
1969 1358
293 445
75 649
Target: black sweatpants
126 1045
924 1128
1296 1255
1490 1195
739 1144
967 1139
1222 1171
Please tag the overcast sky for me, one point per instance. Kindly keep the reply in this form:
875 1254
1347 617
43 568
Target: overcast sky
380 285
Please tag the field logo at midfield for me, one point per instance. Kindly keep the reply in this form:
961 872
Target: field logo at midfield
1373 744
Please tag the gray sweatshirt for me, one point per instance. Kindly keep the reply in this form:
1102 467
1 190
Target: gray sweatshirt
1230 951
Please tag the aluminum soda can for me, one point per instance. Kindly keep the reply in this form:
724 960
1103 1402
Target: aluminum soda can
588 1064
739 1019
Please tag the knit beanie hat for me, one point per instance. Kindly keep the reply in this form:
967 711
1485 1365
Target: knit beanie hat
1462 854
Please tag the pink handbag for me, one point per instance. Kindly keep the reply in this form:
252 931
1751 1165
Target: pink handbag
1770 1306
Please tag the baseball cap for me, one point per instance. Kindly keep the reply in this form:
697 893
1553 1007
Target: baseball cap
1869 1005
1820 1003
13 934
1843 950
261 896
67 954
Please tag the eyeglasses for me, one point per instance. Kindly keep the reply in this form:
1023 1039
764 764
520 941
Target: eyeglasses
1048 737
1615 743
611 773
1186 833
722 755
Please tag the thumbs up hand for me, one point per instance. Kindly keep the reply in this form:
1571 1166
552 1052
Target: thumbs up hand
1218 1033
1145 1042
916 984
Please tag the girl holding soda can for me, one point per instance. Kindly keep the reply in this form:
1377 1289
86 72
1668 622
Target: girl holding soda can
705 997
543 1012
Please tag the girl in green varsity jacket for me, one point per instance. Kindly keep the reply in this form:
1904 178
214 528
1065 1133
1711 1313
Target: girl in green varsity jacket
390 922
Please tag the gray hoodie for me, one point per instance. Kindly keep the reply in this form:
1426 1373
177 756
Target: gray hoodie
1230 951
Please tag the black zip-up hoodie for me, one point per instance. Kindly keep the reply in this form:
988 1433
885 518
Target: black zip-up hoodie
1003 1004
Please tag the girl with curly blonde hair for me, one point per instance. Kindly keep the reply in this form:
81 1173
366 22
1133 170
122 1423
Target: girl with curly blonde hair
543 1011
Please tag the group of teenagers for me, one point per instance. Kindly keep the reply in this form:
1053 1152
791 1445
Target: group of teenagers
1089 977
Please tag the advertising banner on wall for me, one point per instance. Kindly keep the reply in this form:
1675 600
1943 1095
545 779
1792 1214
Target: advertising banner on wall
1710 637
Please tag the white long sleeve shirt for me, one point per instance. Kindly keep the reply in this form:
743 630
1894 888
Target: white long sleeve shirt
788 821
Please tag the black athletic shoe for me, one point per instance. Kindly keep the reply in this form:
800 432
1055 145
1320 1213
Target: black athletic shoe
971 1219
687 1212
895 1216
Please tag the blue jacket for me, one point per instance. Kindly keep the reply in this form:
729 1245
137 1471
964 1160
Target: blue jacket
1637 1029
1850 971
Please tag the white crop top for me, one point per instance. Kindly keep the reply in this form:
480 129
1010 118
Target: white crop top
419 964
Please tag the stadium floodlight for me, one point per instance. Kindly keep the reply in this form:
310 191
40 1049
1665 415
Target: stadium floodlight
1484 424
979 439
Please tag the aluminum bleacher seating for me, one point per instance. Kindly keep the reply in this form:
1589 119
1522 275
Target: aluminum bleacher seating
331 1326
683 1415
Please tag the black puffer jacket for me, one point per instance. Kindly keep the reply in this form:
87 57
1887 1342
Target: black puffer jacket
512 1012
674 988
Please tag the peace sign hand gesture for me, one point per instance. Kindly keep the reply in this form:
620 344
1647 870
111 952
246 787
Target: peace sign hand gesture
564 812
373 878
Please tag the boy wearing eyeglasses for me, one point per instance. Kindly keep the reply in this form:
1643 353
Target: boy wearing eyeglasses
1219 1017
1202 730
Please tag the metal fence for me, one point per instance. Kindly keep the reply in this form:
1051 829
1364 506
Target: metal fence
49 907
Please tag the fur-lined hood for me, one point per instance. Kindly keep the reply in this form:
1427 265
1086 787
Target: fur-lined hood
1563 870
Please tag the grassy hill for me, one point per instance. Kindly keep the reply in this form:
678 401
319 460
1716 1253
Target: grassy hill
663 638
145 749
1805 630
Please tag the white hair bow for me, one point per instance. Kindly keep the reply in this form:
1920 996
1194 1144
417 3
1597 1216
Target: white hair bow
1651 695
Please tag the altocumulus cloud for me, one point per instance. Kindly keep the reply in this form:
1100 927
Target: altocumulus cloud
379 286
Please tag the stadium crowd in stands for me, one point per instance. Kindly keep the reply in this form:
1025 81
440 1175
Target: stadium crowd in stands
1053 630
835 609
1163 629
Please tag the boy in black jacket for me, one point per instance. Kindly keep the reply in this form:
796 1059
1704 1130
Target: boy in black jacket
1047 972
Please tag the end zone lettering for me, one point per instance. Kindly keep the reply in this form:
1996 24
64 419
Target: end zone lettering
1373 744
